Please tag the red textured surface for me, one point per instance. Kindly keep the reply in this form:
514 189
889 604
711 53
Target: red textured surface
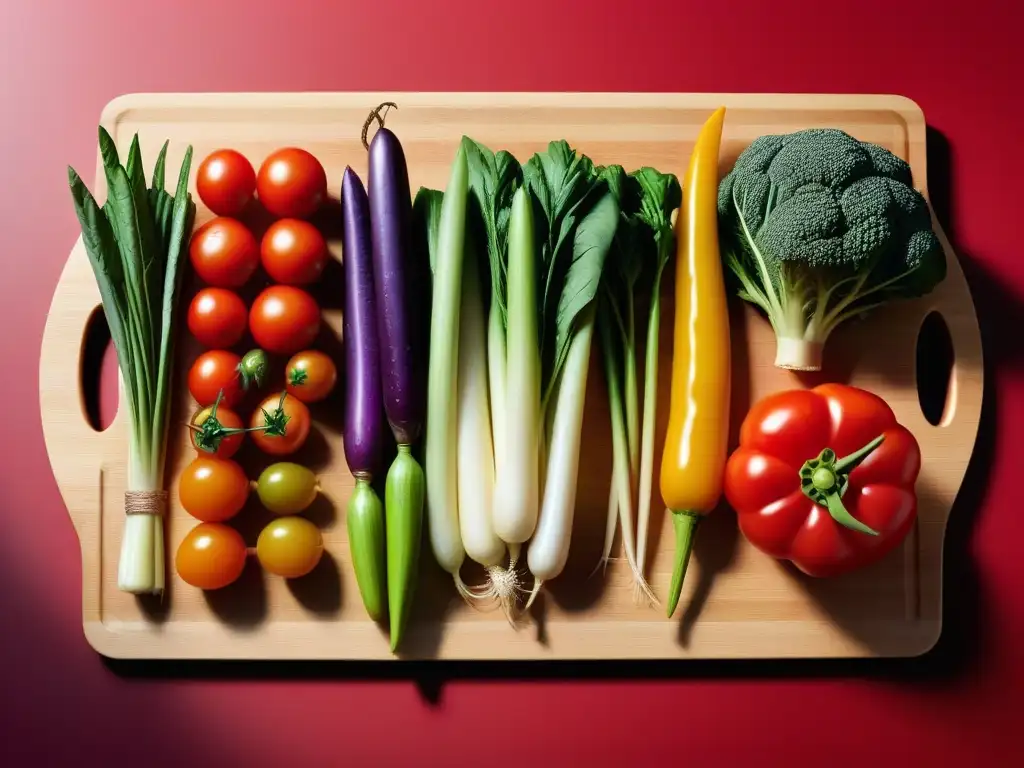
63 61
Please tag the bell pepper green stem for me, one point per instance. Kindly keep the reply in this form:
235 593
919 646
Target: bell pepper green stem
685 523
824 480
843 517
846 464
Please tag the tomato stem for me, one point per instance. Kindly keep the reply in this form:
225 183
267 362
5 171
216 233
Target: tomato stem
209 436
274 423
824 480
685 523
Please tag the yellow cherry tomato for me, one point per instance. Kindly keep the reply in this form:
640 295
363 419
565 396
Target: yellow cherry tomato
290 547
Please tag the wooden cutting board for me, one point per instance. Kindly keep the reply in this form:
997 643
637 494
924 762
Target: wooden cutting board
736 603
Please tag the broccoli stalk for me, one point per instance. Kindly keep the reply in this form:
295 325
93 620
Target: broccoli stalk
819 228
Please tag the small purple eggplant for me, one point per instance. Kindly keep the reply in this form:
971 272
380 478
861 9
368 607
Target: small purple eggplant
364 411
393 271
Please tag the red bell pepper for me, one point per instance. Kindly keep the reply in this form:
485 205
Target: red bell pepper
824 478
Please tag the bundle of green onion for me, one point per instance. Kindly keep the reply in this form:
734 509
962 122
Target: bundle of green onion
136 244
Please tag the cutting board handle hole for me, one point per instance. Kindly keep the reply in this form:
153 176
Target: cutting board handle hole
936 387
98 372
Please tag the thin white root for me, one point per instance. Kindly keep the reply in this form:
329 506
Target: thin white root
638 577
506 587
469 593
609 531
503 587
640 597
533 593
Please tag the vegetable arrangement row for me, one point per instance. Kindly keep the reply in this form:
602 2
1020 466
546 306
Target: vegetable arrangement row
470 318
284 319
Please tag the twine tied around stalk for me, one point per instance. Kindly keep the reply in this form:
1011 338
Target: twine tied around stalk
376 115
145 503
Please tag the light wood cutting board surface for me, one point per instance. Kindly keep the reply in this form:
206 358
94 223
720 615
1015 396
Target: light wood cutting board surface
736 603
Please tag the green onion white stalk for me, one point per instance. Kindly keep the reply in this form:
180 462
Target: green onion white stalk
475 444
549 547
136 245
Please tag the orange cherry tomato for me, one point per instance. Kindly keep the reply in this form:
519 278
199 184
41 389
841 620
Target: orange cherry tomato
296 426
212 372
217 317
310 376
213 490
291 183
211 556
224 252
228 419
293 252
290 547
225 181
284 319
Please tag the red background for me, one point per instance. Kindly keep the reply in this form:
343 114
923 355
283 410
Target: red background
62 61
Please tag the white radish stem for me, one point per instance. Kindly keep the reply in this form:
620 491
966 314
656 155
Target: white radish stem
647 433
620 455
442 426
517 494
475 450
610 526
549 547
496 380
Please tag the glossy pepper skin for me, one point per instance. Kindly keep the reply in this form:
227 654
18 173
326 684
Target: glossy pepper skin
778 479
696 443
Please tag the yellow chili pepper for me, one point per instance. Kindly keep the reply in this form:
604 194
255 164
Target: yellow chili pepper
696 444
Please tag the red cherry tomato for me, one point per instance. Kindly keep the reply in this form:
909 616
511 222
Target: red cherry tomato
224 252
212 372
310 376
225 182
211 556
284 319
293 252
296 426
291 183
217 317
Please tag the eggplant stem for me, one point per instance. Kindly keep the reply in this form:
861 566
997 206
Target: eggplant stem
376 115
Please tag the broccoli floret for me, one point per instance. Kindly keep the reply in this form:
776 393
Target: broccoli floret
817 228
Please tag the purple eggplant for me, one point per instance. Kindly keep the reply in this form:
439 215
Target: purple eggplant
363 407
364 411
393 270
395 276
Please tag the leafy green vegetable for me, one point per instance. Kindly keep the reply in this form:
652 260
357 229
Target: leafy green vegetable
576 216
135 244
493 181
643 245
660 196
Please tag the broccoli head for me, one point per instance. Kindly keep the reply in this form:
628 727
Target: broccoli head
817 228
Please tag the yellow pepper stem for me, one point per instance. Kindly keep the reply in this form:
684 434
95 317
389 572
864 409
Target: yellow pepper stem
685 523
